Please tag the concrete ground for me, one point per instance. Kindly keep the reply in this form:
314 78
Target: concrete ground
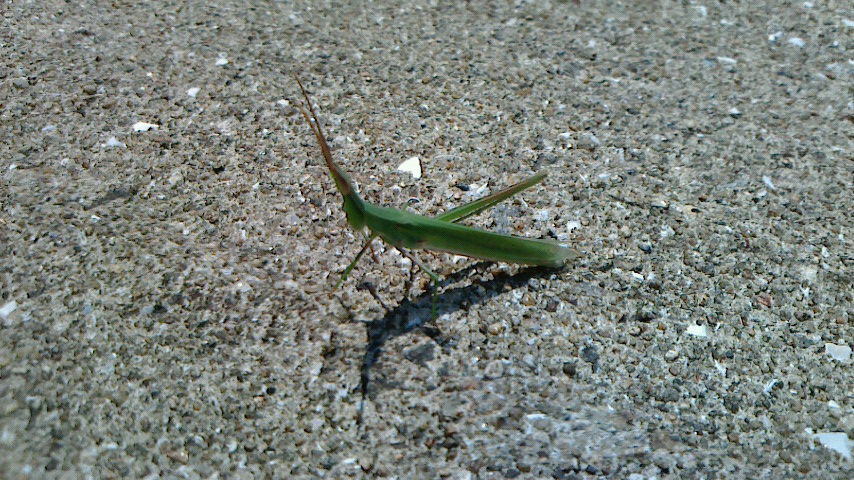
171 240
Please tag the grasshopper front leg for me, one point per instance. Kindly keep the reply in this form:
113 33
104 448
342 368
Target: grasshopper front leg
349 268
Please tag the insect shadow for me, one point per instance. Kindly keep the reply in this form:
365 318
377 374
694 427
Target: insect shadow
414 314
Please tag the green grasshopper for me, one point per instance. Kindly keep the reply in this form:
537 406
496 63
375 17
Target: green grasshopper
404 230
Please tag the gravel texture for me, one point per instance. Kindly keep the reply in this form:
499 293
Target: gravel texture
170 240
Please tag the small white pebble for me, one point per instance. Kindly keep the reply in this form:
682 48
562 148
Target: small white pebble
572 225
848 23
411 166
770 385
221 61
7 309
659 203
727 60
720 368
809 273
841 353
775 36
589 140
192 92
798 42
144 126
48 128
476 190
836 441
114 142
697 330
175 177
768 183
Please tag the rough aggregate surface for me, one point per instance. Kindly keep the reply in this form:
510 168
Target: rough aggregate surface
167 301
